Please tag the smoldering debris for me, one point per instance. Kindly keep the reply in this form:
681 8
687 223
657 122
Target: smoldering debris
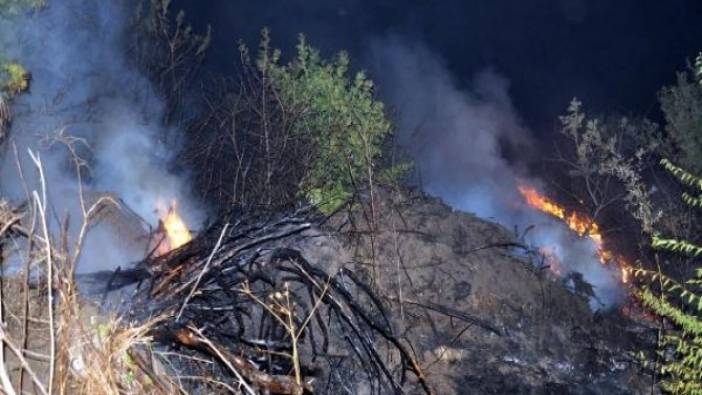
256 296
460 140
86 85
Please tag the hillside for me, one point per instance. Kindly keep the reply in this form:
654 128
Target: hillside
481 316
320 222
462 296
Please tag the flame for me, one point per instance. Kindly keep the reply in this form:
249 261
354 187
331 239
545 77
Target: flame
174 228
581 224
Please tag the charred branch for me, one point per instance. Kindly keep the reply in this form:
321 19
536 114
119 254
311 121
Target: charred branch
246 297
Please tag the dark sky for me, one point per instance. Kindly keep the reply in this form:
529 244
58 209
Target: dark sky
613 54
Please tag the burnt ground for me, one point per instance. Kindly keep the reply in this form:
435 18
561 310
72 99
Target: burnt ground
481 316
475 309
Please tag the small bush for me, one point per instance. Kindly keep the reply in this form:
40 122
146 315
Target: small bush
339 114
281 133
14 77
682 105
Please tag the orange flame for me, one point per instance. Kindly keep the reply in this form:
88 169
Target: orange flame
581 224
174 228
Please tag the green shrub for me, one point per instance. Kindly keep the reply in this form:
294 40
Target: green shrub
337 112
682 106
14 78
679 354
281 133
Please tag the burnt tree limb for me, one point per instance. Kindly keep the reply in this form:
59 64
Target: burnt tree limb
280 319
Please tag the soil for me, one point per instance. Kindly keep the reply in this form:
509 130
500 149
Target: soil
481 317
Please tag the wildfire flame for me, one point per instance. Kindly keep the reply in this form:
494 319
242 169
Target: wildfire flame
173 226
581 224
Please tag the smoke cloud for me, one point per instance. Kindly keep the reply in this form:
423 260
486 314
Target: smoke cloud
461 142
84 85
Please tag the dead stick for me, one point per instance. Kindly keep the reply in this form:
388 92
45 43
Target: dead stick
10 223
278 384
202 272
22 361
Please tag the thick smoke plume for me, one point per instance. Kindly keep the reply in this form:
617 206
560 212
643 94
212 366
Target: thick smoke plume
466 146
84 85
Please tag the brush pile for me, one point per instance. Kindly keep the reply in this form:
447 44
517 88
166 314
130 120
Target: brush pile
289 304
245 305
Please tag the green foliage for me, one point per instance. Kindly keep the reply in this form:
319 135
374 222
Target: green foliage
338 113
14 79
679 355
682 105
616 148
686 178
393 175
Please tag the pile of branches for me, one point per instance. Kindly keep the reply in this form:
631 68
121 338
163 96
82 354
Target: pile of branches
242 304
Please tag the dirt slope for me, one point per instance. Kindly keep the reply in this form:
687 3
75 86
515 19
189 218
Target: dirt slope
481 317
478 315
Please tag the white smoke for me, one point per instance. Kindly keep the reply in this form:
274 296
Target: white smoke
83 83
457 138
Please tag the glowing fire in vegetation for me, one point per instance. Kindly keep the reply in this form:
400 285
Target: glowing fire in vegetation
175 230
581 224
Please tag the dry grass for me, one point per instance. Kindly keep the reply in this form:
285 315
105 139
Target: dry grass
113 358
54 342
281 307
